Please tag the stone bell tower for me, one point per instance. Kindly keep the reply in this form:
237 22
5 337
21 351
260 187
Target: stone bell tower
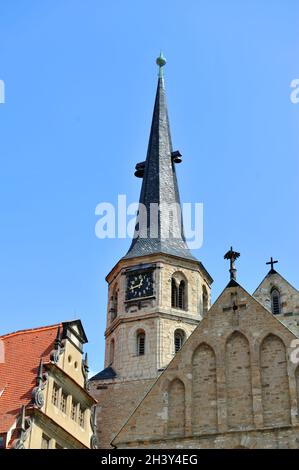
157 293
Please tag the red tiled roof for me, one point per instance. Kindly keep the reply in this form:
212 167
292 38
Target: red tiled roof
22 353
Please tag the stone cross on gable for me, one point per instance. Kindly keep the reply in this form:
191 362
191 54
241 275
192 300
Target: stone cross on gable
272 262
234 307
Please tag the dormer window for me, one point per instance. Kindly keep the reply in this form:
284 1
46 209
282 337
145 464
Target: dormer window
275 302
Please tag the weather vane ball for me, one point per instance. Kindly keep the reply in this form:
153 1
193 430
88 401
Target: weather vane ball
161 61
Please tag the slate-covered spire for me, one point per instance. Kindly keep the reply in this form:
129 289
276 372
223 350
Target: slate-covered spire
153 233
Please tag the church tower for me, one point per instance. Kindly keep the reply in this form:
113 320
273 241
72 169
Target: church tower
158 292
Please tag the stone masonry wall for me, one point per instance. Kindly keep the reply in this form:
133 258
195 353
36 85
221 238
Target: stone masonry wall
116 402
256 394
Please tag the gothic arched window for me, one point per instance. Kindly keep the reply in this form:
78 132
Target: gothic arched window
179 291
182 295
174 293
275 302
114 304
179 337
141 343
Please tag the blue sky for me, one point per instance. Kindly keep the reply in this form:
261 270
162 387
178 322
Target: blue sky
80 80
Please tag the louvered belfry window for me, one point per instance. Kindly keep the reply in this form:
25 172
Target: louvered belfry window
181 300
141 344
178 294
114 304
174 294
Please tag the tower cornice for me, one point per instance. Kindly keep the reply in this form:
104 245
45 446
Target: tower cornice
179 262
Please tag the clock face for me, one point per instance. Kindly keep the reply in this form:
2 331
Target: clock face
140 285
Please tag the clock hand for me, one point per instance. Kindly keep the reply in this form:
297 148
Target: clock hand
136 286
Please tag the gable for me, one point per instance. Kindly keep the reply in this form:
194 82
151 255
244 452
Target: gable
234 365
289 295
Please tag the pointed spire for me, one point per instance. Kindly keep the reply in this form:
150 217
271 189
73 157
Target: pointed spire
159 227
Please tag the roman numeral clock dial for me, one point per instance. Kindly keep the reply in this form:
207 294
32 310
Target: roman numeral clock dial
139 285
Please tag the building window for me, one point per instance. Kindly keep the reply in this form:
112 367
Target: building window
141 343
174 293
179 293
55 394
182 295
63 400
81 417
45 442
111 352
275 302
114 304
179 337
74 408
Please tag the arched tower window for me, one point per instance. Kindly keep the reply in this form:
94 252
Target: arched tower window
179 338
111 352
114 304
140 343
174 293
182 295
179 291
205 299
275 302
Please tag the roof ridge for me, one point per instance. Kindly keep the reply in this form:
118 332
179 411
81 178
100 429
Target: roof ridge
30 330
